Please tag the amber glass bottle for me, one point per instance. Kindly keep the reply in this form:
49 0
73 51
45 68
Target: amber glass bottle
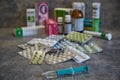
77 16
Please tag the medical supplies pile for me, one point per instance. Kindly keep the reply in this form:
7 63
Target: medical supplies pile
59 48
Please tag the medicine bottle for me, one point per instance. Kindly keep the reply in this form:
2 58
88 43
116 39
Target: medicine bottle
78 20
60 25
68 24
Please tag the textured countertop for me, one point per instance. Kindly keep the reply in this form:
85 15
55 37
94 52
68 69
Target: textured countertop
102 66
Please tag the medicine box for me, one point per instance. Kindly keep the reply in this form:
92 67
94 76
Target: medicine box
41 12
61 12
51 27
27 31
31 21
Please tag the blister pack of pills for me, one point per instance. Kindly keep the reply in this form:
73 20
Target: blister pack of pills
53 58
38 57
90 47
79 56
59 45
78 37
24 46
62 44
95 47
56 51
46 42
55 37
28 53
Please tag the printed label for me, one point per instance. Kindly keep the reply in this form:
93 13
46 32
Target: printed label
78 24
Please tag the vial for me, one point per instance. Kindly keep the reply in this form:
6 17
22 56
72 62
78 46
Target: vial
60 25
68 24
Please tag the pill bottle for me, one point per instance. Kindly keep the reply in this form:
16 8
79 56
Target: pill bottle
67 24
77 18
60 25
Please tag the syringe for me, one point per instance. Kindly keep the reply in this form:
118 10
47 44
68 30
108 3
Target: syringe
64 72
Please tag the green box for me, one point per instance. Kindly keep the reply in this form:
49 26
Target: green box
61 12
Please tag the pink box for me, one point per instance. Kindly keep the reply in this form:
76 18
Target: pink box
41 12
51 27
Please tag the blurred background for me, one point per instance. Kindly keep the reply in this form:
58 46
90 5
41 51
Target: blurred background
13 12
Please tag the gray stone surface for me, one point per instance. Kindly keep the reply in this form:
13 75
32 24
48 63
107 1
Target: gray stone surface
13 13
102 66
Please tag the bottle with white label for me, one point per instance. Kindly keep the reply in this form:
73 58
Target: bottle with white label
78 19
96 17
60 25
68 24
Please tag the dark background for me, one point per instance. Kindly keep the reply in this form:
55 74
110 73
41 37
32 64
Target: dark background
13 12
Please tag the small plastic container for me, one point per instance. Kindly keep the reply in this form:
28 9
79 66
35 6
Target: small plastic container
68 24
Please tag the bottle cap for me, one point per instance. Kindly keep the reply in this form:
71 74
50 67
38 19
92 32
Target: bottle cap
67 18
109 36
30 10
96 4
77 5
60 19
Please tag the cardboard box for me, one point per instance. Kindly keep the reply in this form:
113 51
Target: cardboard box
61 12
41 12
31 21
51 27
27 31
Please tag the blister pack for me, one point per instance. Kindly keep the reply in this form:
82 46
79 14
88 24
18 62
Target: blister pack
55 37
46 42
90 47
38 56
79 56
78 37
53 58
24 46
62 44
28 52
